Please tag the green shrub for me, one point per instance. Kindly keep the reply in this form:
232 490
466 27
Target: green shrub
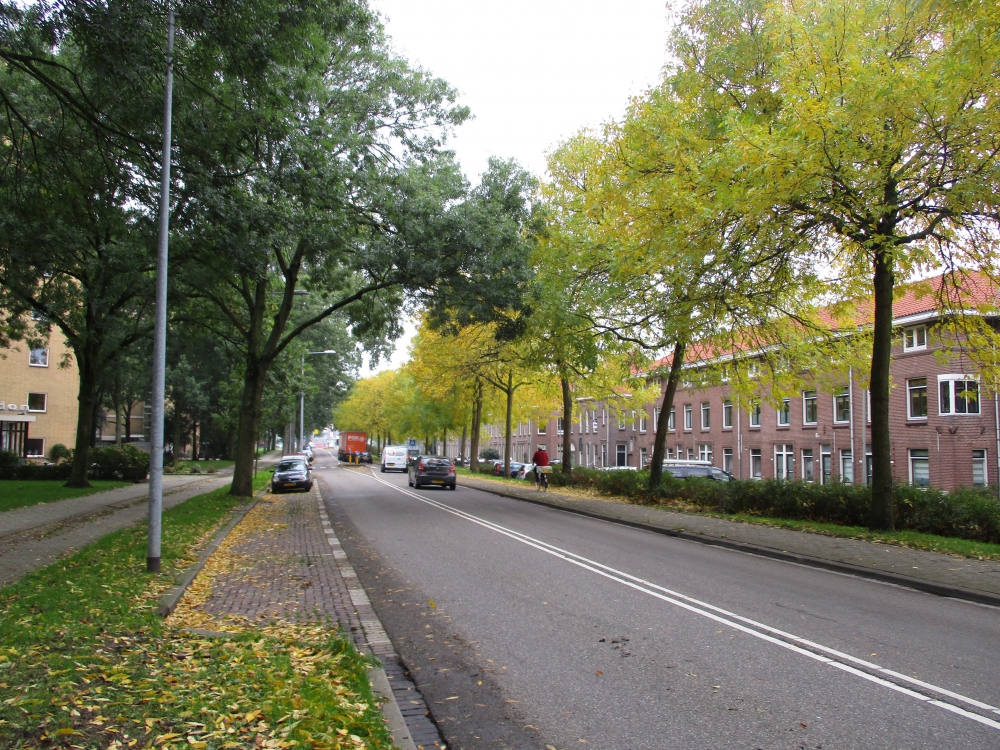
489 454
9 459
119 462
60 452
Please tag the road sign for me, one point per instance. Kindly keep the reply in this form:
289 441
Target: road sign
411 443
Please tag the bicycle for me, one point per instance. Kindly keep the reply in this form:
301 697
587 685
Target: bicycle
542 477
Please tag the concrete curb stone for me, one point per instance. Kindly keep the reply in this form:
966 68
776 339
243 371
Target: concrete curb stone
926 586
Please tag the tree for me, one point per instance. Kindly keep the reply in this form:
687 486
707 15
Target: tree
882 151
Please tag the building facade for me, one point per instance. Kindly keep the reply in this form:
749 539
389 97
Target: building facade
945 426
38 390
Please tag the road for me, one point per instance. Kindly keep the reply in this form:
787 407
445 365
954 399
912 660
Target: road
524 626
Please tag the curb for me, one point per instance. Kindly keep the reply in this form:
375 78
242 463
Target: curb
170 600
928 587
390 710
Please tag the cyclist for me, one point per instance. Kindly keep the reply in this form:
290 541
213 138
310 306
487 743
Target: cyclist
540 458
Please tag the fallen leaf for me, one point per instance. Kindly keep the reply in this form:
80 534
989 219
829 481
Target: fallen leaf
599 672
803 725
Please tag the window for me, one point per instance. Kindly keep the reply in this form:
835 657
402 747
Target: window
847 466
604 416
920 467
36 402
688 417
842 405
621 421
916 402
672 419
559 425
690 454
784 462
810 408
541 428
825 465
979 468
753 369
620 455
656 417
724 374
604 454
642 458
727 460
785 413
914 338
595 420
39 357
807 465
35 447
705 452
755 463
727 414
706 415
642 421
959 394
755 415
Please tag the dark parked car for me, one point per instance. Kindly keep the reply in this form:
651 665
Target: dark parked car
693 469
437 471
516 467
365 458
291 474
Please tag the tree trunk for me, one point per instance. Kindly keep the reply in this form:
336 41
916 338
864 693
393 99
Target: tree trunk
194 441
461 450
86 400
477 423
246 438
660 442
118 409
508 423
567 460
444 442
177 434
881 508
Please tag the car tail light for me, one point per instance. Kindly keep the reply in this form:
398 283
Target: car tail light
451 468
420 466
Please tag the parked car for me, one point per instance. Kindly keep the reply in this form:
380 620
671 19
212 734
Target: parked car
702 469
291 473
393 458
364 457
515 468
438 471
300 456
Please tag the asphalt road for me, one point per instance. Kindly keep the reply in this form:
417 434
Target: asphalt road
527 627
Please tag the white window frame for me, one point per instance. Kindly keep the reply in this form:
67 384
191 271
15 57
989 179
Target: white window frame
706 415
44 409
814 398
808 461
842 392
38 354
643 421
926 458
912 338
688 417
727 460
756 464
34 455
542 428
983 460
909 400
847 465
621 453
672 420
727 414
643 460
559 426
951 379
786 412
705 452
753 415
784 462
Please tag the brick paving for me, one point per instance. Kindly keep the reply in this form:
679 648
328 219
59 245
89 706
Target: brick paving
933 567
284 562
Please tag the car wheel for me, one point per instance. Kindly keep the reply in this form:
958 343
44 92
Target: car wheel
309 486
451 487
383 468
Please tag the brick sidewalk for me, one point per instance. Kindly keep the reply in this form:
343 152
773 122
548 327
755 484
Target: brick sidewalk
283 561
932 567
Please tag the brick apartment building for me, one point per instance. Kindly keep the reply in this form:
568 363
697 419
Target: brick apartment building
944 427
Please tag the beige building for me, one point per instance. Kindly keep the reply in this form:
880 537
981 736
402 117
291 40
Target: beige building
38 395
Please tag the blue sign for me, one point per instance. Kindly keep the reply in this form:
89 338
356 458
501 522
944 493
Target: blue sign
411 443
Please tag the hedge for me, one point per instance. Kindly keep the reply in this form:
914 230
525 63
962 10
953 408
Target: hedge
125 462
966 513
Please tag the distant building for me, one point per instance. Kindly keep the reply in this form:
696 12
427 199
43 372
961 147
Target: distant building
38 398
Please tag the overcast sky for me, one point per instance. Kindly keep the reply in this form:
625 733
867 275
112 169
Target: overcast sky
533 72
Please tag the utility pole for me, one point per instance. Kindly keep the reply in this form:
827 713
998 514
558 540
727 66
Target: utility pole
160 329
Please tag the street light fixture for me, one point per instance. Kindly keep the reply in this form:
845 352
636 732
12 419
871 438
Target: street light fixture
302 396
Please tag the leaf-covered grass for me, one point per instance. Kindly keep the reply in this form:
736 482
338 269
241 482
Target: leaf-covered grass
20 493
86 662
203 465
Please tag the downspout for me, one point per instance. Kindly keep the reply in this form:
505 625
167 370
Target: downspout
854 455
996 416
739 437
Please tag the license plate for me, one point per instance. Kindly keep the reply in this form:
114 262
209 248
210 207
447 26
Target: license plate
289 484
437 481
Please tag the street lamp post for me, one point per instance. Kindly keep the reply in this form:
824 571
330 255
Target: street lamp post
302 397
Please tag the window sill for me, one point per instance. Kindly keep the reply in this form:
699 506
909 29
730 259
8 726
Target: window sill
727 429
910 421
783 427
810 425
841 425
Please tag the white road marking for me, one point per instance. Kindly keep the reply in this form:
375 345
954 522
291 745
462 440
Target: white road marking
730 619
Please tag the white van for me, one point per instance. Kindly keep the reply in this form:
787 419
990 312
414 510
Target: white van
394 458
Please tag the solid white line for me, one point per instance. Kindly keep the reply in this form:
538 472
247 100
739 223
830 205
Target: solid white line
708 610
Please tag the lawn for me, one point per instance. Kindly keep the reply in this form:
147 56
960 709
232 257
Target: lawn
20 493
85 661
186 466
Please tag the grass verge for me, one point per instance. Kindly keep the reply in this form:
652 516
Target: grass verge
85 661
913 539
20 493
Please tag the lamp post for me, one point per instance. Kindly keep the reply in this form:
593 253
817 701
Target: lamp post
302 396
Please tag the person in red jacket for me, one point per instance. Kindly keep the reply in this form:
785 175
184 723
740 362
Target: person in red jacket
540 458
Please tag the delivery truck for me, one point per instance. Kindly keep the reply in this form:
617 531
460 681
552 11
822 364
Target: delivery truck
351 443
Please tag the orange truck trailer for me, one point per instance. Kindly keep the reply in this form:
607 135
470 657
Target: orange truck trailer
351 443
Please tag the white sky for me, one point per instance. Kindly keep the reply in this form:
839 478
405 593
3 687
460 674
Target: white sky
534 72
